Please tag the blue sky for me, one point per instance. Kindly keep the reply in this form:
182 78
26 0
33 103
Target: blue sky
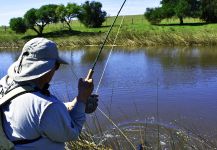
17 8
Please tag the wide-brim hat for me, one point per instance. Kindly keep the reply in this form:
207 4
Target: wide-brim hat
38 57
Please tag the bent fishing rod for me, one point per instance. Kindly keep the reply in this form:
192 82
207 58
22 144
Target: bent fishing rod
91 71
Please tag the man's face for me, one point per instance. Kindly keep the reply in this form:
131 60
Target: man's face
48 77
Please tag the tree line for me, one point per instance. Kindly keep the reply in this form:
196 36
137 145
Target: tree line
203 9
90 14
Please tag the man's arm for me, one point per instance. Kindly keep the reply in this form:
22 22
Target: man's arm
70 105
59 125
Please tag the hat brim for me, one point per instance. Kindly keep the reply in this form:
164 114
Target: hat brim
33 70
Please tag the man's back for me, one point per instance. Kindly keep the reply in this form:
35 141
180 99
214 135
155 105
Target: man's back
27 117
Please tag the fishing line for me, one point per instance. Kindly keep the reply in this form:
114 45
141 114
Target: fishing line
158 123
118 128
91 71
75 75
103 113
110 53
95 62
107 35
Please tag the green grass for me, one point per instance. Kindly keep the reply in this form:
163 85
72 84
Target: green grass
136 31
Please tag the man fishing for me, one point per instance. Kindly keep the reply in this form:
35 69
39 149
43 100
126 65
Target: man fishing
37 119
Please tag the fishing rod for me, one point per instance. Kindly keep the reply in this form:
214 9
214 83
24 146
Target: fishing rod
91 71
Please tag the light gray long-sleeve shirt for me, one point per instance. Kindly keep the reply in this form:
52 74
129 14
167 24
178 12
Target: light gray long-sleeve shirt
32 115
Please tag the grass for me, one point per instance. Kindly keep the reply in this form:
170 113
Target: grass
144 136
136 31
85 142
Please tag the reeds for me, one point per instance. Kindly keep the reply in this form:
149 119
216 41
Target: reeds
84 143
146 38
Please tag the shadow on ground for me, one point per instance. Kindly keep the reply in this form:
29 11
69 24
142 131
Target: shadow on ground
63 33
185 24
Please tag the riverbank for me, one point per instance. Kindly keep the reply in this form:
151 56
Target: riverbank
135 31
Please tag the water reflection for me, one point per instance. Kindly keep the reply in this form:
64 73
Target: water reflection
90 55
185 65
186 57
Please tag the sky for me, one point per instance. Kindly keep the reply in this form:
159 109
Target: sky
17 8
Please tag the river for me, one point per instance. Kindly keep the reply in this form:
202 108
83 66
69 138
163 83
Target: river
144 90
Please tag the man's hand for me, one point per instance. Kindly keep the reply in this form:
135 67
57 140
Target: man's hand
91 104
85 88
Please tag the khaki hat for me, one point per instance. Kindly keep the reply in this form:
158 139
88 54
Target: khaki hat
38 57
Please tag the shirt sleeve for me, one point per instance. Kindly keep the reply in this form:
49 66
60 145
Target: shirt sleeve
61 125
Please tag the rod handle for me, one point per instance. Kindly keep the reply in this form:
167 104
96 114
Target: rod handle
90 74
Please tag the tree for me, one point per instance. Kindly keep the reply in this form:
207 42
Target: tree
178 8
30 19
37 19
91 14
195 9
18 25
68 13
209 11
182 10
168 8
154 15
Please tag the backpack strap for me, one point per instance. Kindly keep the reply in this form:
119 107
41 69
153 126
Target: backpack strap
4 142
9 144
20 142
16 92
10 96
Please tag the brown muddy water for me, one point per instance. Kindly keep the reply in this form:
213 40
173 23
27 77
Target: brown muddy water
162 98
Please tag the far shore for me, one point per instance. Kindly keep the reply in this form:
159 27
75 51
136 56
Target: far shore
135 32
